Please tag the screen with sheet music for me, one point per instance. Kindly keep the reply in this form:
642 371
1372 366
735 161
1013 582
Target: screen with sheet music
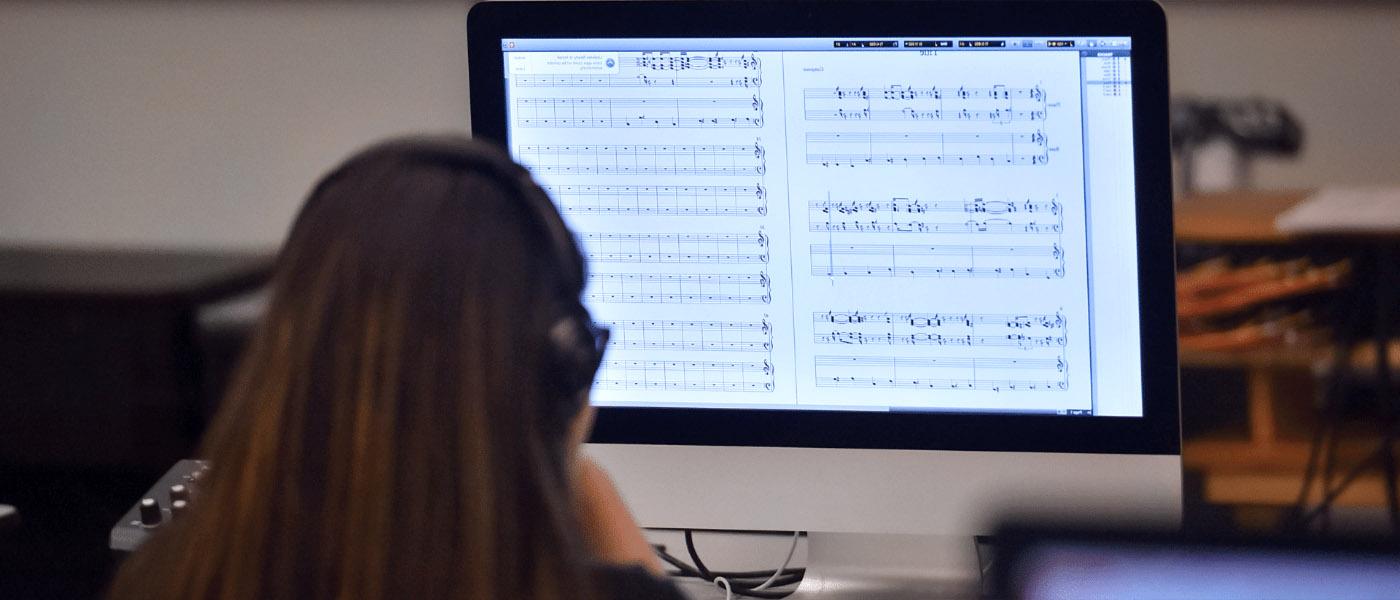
891 224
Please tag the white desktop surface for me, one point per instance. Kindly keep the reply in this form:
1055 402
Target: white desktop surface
748 551
699 590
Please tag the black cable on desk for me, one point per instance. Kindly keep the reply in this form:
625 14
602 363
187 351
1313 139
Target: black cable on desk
685 570
741 583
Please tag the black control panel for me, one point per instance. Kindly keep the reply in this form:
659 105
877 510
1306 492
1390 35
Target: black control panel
164 502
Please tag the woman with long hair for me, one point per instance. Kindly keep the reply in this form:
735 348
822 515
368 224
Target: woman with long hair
407 417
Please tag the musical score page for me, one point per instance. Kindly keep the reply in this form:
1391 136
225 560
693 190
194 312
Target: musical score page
809 229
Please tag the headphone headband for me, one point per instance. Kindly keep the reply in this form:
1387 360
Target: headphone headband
576 343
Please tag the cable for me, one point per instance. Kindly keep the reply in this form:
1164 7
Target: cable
1348 311
789 577
1341 488
753 584
708 576
792 549
1329 474
728 590
685 570
1310 473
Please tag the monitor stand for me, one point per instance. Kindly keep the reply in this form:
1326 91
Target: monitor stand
851 566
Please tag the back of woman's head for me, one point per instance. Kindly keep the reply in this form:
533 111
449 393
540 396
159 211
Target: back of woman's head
398 426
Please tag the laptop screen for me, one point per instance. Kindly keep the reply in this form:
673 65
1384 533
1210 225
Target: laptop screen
890 224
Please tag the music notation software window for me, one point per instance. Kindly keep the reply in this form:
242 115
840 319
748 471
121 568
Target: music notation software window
851 224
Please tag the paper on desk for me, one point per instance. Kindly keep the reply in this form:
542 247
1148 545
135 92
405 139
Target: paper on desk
1344 210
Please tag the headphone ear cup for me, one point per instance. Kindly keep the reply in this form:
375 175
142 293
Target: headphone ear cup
570 363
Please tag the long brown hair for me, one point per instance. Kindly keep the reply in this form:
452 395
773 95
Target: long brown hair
395 430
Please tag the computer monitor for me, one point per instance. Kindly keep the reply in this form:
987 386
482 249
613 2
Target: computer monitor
870 267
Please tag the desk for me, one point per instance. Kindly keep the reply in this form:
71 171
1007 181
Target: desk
1234 217
98 351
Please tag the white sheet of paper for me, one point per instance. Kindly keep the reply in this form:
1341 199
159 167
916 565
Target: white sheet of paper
1345 210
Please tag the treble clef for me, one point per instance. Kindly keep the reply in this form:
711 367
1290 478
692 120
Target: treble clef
762 240
766 327
757 103
767 367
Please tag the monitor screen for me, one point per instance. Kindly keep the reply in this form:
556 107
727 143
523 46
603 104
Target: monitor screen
853 223
1084 569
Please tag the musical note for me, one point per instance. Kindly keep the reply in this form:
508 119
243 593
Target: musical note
921 320
972 373
701 336
942 362
1011 217
939 329
997 104
929 383
642 113
636 80
969 226
910 114
900 92
660 248
693 62
649 200
644 159
670 288
957 261
694 375
1036 138
830 149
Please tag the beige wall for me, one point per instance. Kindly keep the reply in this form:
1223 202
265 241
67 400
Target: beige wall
203 124
1336 64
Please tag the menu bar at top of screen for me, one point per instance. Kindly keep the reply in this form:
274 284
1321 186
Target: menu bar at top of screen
850 43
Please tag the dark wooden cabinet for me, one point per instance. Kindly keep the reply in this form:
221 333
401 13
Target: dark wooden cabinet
99 361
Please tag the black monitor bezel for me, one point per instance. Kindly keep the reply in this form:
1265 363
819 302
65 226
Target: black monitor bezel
1157 432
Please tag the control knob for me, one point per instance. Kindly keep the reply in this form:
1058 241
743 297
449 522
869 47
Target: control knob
150 513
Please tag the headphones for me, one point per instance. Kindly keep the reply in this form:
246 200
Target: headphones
574 344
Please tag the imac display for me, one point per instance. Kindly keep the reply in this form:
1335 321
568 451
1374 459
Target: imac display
870 267
856 223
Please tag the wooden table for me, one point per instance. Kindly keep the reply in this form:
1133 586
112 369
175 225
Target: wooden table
1234 217
99 363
